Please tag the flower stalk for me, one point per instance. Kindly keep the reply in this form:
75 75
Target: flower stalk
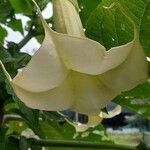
79 144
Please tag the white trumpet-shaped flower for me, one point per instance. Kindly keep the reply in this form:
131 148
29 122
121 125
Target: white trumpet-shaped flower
70 71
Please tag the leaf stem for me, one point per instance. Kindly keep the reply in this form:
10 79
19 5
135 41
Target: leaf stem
79 144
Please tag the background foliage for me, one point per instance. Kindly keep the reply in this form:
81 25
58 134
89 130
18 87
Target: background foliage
104 22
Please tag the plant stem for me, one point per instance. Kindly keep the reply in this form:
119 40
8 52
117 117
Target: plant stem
79 144
26 39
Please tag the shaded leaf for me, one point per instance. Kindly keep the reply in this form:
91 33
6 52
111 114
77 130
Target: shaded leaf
12 143
5 10
5 56
137 100
3 34
22 60
3 138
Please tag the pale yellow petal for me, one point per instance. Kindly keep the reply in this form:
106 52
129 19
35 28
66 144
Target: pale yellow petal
112 113
130 73
87 56
45 71
90 94
46 83
85 94
57 99
94 120
82 54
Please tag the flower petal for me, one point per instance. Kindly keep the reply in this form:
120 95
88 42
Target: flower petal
57 99
46 70
130 73
87 56
112 113
82 93
90 94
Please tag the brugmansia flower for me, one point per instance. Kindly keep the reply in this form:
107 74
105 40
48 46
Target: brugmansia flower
73 72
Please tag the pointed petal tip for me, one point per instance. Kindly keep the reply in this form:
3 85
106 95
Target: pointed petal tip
112 113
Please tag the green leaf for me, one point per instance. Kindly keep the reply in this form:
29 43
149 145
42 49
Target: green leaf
7 142
3 138
87 7
94 134
137 100
3 34
134 8
109 26
21 6
3 93
12 143
5 10
57 129
140 13
16 25
5 56
145 29
22 60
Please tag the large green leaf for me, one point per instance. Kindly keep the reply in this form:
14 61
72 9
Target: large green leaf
109 26
86 8
135 8
145 29
139 11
